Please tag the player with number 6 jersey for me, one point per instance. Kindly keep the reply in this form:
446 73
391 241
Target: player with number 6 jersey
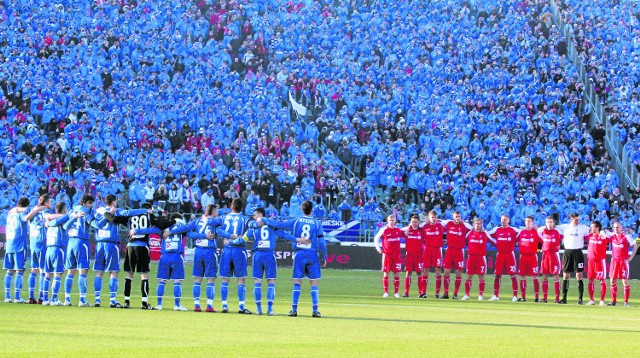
264 260
551 239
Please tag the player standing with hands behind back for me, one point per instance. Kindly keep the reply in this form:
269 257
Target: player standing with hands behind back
573 258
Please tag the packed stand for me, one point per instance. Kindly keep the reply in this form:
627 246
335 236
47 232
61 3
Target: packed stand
608 41
430 106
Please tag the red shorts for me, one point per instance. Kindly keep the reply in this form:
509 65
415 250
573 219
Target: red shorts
413 264
454 259
597 269
432 257
391 263
476 265
505 263
619 269
528 265
550 263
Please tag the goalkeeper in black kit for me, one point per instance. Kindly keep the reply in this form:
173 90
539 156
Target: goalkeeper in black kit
137 257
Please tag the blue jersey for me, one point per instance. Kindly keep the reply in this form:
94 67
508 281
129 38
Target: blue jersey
234 224
16 232
57 233
173 243
264 238
306 227
79 228
38 232
198 229
108 231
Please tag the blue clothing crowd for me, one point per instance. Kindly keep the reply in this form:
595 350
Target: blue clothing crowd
410 106
608 38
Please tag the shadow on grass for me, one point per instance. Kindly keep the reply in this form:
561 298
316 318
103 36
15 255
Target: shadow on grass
483 324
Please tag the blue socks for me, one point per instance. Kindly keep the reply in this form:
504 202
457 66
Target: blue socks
315 297
211 293
45 288
242 296
7 285
271 296
18 285
97 287
113 289
68 283
196 294
295 296
31 283
55 287
41 285
177 292
160 292
257 295
224 294
82 287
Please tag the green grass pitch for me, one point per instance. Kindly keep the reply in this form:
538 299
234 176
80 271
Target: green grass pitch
357 322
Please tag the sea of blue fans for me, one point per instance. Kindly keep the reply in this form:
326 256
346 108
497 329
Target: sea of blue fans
410 106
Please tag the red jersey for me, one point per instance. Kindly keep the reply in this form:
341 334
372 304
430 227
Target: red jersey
414 243
505 239
528 241
551 240
434 234
620 245
391 240
456 235
477 241
597 249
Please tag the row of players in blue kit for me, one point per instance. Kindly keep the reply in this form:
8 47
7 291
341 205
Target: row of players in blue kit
60 241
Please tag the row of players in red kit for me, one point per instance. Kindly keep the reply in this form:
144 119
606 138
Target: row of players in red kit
424 243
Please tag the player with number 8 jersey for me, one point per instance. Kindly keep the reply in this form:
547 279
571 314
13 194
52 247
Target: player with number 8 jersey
308 256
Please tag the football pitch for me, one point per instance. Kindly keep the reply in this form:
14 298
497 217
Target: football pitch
357 322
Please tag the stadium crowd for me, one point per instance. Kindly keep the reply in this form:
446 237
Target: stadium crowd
413 106
608 41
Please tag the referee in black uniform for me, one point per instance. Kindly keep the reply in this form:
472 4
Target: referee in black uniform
573 259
